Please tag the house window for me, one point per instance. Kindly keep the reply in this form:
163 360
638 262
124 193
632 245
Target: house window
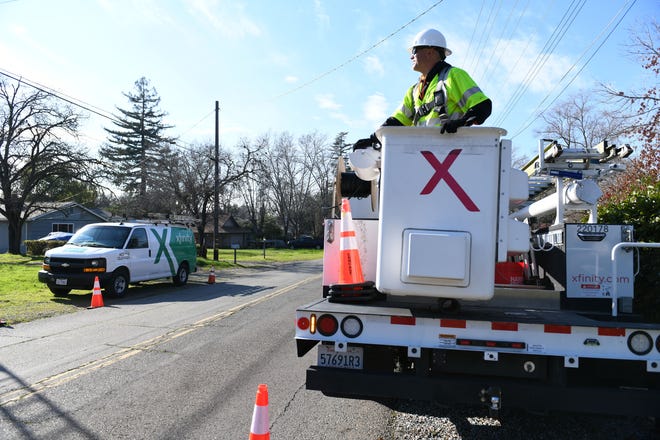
63 227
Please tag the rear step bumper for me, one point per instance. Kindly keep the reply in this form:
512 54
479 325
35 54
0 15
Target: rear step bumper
478 390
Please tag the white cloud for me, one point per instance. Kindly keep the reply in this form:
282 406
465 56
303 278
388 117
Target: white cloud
373 66
321 16
375 109
227 17
278 59
144 11
519 69
291 79
327 102
342 117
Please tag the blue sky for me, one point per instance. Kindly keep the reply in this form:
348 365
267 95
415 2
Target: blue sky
314 65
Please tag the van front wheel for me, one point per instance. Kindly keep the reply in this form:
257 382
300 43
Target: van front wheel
117 285
181 276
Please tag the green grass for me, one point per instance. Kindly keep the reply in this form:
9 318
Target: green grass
23 298
251 257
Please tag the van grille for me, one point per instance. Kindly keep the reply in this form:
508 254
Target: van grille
72 265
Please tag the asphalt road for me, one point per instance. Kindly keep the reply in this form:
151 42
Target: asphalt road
175 363
185 363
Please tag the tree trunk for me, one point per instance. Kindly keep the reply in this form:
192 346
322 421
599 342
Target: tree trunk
14 233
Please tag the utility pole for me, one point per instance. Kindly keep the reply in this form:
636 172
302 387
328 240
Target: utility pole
216 198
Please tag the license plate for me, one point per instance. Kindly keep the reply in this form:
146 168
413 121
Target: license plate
61 281
352 358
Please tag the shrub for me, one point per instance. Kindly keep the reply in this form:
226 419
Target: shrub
39 247
641 209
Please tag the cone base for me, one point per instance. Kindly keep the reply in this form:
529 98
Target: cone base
96 304
353 292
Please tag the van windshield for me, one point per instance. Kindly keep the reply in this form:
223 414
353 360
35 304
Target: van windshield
101 236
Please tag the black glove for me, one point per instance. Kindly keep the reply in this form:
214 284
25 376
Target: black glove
370 142
451 126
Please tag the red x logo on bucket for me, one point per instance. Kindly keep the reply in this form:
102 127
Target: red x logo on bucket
442 172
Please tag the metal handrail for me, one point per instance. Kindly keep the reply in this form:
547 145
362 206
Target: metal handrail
615 283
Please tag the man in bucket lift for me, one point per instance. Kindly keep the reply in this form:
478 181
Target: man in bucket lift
444 96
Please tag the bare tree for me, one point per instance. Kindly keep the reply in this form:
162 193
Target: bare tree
579 122
254 191
190 174
644 103
317 157
35 152
281 173
291 185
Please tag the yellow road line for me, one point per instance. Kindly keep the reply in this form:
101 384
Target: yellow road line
125 353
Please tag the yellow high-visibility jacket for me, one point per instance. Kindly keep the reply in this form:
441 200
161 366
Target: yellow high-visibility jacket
449 95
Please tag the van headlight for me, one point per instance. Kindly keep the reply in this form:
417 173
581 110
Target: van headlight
95 265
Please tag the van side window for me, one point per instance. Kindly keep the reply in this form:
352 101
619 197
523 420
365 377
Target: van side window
138 240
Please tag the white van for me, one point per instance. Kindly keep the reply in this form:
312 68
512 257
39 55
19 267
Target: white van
119 254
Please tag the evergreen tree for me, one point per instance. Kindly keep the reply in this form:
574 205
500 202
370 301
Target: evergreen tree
340 148
138 145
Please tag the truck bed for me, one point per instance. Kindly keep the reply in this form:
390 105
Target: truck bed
520 348
509 304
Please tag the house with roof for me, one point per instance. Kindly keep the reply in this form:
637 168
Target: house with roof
230 233
54 217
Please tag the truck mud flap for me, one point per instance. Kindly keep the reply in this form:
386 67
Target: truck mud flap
533 396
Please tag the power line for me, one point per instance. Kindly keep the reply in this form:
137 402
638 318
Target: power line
496 51
474 31
357 56
199 122
61 96
83 105
534 116
558 34
485 34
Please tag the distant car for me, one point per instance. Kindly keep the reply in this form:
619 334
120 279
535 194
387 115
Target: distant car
277 244
61 236
259 244
306 242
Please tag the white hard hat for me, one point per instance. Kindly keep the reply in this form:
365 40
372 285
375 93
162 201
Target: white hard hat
431 37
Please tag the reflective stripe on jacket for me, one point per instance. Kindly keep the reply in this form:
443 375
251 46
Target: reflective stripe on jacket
444 99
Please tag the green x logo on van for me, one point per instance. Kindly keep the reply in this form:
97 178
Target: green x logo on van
162 249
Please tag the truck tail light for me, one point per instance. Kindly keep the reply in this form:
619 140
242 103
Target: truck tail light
303 323
640 343
327 325
351 326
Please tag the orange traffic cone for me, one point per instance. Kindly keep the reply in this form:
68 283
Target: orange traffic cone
260 429
351 285
350 268
97 297
211 276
